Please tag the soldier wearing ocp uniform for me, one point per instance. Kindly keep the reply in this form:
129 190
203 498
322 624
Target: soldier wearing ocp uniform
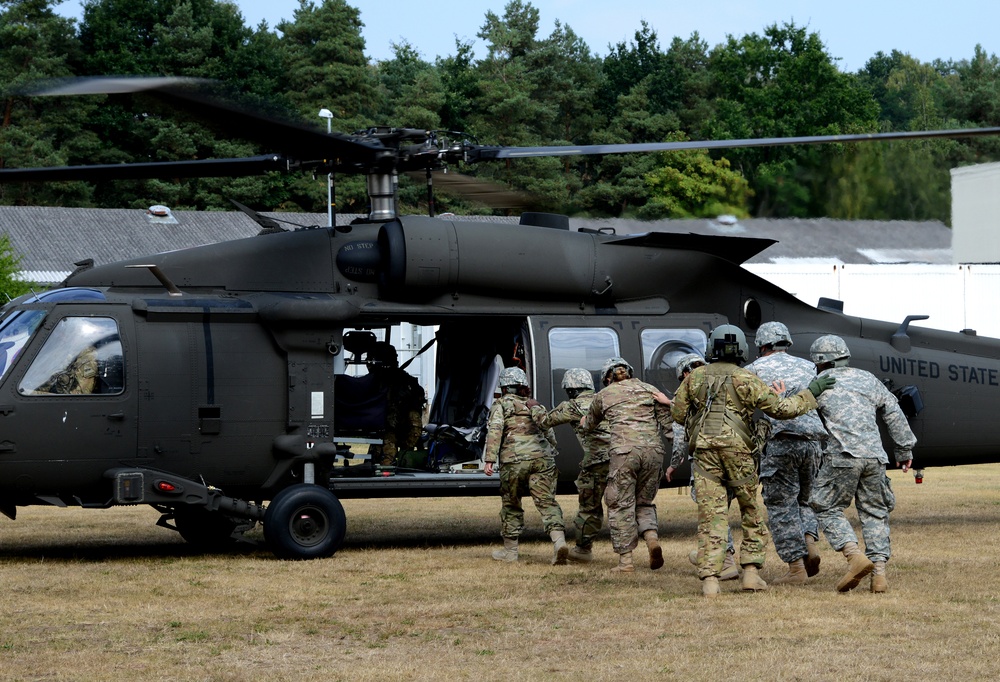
593 477
681 452
405 401
854 464
789 462
635 413
526 455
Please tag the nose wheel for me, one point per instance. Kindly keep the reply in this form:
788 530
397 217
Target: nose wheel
305 521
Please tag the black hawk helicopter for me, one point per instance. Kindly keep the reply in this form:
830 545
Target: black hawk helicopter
206 381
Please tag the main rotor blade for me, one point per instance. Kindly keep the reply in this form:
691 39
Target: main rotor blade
194 97
205 168
486 192
487 153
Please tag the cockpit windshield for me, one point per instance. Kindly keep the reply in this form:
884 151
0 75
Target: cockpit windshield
15 332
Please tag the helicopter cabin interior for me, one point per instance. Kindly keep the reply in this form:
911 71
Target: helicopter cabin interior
461 382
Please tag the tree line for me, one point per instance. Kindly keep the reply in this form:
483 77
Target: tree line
526 89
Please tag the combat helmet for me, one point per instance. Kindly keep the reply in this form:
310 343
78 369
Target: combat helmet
727 342
382 354
685 364
615 362
577 378
829 348
772 334
512 376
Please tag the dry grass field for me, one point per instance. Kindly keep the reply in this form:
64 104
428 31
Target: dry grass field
101 595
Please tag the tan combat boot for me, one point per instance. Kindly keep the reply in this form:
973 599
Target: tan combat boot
752 582
583 554
796 574
655 551
812 558
710 587
560 550
509 551
730 571
693 557
879 582
625 564
858 566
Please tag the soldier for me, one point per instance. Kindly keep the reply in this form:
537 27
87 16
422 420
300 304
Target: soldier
790 459
717 402
78 378
404 404
526 453
635 412
593 476
854 463
730 571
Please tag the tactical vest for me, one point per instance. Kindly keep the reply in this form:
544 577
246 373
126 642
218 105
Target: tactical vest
714 410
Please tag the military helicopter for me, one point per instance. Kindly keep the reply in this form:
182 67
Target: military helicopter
208 381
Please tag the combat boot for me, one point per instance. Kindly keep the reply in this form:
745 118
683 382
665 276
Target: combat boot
581 553
752 582
812 558
710 587
625 564
796 574
560 550
879 582
655 551
730 571
693 557
509 551
858 566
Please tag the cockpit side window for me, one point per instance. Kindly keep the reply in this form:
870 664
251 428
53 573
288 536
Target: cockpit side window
15 333
82 356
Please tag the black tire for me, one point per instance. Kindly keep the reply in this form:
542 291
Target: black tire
207 530
304 521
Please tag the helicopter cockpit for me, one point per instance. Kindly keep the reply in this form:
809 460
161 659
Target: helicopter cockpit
82 355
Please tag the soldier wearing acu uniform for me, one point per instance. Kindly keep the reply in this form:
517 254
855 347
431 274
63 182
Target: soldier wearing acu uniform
854 463
730 571
717 403
593 476
791 458
635 413
526 453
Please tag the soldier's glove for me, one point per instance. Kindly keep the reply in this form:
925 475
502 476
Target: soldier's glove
820 384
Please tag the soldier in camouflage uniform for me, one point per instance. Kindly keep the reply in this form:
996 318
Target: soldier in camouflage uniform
593 476
404 404
716 402
679 454
526 453
635 413
854 463
79 378
790 459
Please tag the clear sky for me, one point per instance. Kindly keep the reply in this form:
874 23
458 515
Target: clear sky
852 30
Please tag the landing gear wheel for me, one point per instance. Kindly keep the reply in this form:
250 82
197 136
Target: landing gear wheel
206 530
304 521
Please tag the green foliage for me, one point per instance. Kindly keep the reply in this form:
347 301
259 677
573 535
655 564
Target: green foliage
10 265
528 89
690 184
779 84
